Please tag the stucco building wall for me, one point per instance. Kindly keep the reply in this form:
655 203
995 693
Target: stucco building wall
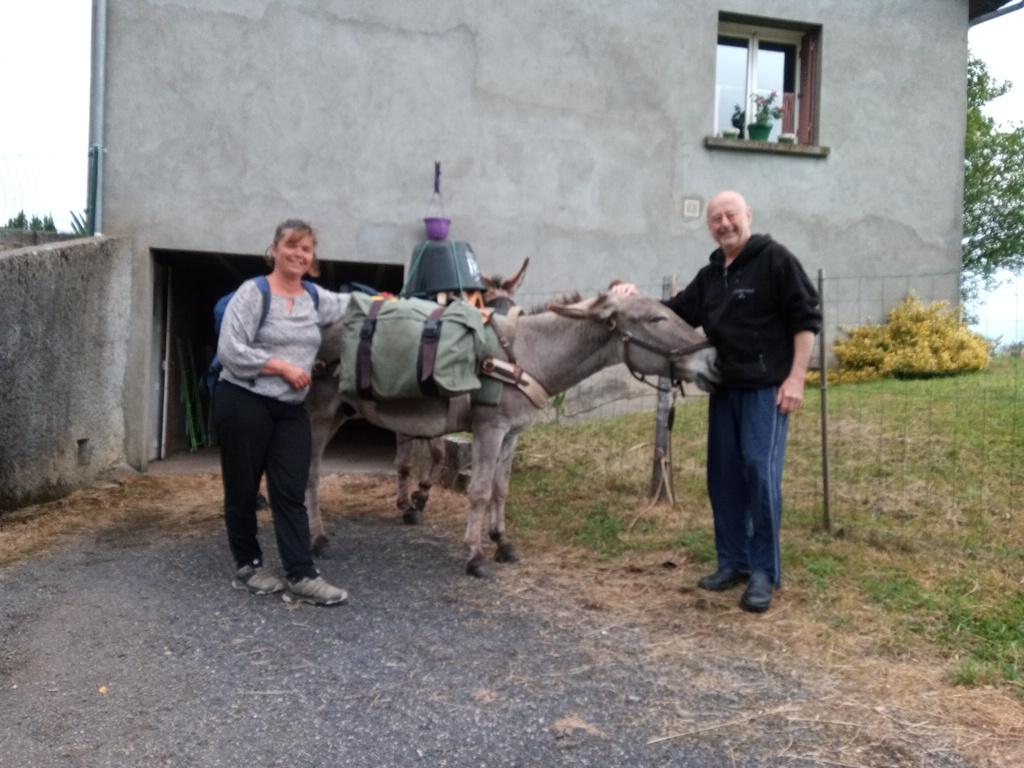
571 132
64 311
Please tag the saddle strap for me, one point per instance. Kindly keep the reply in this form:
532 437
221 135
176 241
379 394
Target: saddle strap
505 329
364 363
513 373
427 357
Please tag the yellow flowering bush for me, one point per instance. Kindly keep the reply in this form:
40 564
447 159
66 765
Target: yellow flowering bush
918 341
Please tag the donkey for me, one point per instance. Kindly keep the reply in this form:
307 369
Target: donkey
557 348
322 404
498 293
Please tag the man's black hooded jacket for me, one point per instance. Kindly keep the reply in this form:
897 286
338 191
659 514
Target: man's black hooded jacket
751 311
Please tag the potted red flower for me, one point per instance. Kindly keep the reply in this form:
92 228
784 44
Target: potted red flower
766 112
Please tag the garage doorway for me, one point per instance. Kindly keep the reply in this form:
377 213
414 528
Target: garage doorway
187 284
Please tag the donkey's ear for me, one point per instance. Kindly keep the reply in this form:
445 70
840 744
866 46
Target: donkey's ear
512 284
605 307
565 310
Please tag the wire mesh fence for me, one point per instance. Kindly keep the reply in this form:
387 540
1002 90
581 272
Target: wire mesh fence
44 184
903 455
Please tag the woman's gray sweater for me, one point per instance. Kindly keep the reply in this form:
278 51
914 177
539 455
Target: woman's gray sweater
245 347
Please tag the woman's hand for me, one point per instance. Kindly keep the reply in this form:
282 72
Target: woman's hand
295 375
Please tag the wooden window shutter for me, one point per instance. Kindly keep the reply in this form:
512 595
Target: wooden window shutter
788 110
807 129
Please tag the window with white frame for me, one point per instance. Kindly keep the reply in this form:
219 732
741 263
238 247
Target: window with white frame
756 58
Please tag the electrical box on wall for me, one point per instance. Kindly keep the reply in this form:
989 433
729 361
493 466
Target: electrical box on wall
691 208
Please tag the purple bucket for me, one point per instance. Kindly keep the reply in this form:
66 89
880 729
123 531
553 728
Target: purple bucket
437 228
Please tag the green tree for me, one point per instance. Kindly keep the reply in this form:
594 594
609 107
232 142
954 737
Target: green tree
18 222
993 186
44 224
34 224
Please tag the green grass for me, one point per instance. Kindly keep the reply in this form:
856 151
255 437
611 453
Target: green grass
602 532
950 444
699 542
926 545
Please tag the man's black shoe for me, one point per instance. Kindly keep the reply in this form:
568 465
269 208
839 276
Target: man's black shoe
721 579
757 597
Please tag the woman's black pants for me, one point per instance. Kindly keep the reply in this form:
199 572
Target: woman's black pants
260 435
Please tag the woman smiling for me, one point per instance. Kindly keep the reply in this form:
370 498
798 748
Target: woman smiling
262 424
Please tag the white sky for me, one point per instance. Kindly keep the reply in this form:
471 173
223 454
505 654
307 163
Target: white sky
44 145
44 123
997 43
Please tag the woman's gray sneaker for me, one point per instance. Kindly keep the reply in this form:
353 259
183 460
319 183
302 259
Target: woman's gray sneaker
257 581
315 592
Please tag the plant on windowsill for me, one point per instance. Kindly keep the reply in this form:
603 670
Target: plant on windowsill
766 112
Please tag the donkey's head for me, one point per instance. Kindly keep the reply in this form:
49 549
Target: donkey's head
655 341
498 291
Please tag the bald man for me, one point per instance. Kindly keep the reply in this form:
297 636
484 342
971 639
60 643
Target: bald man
760 310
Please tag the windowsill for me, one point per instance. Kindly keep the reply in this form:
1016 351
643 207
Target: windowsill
771 147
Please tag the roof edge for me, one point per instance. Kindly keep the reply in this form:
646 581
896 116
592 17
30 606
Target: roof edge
979 11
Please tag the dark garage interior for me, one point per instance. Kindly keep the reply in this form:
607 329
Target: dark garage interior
187 284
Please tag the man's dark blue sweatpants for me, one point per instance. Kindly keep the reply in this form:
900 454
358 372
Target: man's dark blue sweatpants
746 450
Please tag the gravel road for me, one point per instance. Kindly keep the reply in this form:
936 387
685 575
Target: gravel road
126 648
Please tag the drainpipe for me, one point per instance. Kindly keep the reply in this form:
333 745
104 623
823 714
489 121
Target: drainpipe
97 101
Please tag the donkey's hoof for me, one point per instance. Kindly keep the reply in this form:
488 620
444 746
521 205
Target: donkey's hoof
476 567
506 553
412 516
419 500
319 545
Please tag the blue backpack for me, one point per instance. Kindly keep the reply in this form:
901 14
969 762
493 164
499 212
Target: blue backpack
213 372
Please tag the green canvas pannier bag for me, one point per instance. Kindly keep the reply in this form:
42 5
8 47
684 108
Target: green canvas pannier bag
409 348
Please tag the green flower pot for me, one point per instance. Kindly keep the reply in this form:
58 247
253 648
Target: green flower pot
759 131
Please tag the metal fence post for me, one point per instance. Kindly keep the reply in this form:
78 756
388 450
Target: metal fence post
823 367
661 474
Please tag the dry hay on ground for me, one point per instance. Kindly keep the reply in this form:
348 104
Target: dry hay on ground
882 709
134 504
877 705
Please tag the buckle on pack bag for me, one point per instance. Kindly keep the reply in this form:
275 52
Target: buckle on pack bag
431 329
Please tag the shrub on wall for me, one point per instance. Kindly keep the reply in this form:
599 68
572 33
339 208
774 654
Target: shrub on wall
917 341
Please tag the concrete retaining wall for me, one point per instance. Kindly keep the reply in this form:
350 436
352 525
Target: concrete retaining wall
64 311
19 238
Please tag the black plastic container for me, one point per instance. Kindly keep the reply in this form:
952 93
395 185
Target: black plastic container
442 266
